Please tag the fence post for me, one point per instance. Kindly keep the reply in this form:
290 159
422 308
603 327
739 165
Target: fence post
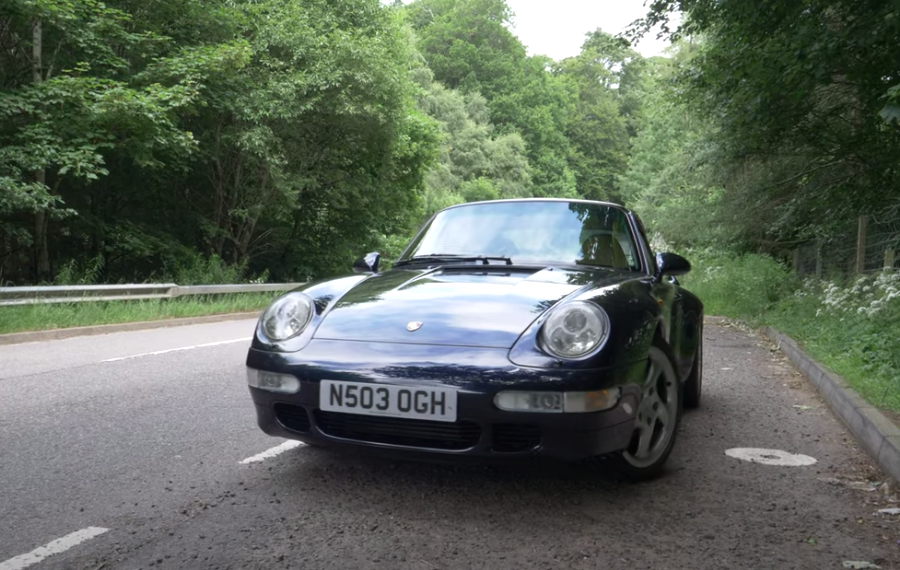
861 244
796 261
889 258
818 259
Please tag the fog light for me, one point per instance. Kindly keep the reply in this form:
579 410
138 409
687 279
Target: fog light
546 402
282 383
558 402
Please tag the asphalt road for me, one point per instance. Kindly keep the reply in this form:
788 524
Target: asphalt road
129 451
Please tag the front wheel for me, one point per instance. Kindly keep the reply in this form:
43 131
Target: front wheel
656 424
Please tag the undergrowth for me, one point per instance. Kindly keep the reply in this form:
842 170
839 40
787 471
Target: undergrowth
852 327
190 269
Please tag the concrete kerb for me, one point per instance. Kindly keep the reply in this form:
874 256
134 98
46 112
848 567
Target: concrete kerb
55 334
876 433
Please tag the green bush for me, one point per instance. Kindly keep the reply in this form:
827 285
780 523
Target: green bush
739 286
196 269
73 273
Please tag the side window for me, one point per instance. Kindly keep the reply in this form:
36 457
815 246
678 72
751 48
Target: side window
625 244
645 243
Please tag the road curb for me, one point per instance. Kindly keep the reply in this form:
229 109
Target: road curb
877 434
56 334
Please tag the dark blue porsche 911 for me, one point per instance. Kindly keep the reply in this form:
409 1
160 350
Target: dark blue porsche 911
509 328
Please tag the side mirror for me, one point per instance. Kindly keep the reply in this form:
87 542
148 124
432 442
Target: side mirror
671 264
368 263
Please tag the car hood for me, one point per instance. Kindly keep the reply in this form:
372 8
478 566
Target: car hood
454 306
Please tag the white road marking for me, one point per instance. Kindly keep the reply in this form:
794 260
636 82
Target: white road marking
243 339
57 546
269 453
770 456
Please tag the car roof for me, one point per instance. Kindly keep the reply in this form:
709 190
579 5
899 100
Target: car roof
566 200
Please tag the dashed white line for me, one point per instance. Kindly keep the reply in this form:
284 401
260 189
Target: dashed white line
57 546
269 453
243 339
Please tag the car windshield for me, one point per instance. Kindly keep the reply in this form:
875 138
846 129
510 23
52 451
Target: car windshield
526 232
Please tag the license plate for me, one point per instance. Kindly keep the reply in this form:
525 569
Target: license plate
438 404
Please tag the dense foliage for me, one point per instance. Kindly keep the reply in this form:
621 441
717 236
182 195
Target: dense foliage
275 139
781 122
201 140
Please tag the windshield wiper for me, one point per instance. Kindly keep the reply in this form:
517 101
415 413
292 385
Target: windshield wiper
449 257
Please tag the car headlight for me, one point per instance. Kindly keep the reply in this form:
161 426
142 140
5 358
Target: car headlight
575 329
287 316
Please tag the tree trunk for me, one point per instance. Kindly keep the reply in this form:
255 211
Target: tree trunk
41 250
41 219
289 244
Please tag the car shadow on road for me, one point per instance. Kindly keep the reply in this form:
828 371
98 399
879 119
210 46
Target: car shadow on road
475 483
471 483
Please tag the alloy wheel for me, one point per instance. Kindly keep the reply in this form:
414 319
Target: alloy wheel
657 413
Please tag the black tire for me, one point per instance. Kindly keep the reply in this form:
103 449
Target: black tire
642 465
693 386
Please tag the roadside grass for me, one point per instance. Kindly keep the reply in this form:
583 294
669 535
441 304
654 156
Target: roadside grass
852 327
22 318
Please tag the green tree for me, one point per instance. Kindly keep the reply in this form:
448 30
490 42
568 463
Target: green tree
68 94
606 77
280 136
467 44
671 174
475 162
316 149
803 100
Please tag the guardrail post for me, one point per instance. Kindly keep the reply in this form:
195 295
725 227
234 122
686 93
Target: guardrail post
889 258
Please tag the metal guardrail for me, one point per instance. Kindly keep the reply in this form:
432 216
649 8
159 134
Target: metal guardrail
136 292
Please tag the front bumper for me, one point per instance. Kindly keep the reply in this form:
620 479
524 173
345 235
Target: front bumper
481 429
